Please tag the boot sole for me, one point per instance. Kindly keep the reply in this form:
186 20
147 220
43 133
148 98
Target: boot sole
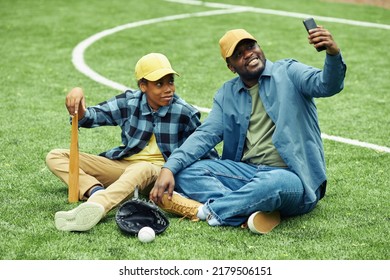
262 223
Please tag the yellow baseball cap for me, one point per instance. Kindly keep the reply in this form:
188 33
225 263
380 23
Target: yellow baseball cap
153 67
229 41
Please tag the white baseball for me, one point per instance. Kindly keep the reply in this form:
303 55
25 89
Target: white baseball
146 234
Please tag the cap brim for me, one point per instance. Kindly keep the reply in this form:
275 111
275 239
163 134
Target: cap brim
233 47
158 74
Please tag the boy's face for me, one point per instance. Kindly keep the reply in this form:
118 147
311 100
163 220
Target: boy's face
159 93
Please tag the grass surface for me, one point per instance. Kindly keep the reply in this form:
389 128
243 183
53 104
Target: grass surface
351 223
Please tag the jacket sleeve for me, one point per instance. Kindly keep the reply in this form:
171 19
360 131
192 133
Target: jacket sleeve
107 113
314 82
200 144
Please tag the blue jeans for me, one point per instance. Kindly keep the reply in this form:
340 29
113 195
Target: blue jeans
232 191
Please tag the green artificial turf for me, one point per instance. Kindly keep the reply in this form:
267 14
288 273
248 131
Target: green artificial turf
37 39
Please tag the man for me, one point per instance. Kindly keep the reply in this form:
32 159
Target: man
272 162
154 121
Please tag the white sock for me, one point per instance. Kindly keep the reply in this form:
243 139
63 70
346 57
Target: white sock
201 214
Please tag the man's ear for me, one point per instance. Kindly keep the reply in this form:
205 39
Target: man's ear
231 68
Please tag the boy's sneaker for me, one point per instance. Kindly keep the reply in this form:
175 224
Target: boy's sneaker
262 222
180 205
82 218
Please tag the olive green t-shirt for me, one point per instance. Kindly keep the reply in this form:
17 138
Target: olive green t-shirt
259 148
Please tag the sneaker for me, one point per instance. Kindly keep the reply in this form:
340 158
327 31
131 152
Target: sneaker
82 218
262 222
181 206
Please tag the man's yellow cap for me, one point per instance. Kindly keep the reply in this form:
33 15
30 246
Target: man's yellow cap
229 41
153 67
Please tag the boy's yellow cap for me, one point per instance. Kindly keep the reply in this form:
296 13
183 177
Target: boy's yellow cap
229 41
153 67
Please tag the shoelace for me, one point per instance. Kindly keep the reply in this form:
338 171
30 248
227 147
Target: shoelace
187 211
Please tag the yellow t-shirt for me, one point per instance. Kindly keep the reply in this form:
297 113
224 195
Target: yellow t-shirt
151 153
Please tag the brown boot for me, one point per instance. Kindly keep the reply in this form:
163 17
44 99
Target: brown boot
181 206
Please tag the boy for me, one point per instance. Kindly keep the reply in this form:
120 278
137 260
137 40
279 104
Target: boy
154 121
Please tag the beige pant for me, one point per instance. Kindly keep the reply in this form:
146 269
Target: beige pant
118 177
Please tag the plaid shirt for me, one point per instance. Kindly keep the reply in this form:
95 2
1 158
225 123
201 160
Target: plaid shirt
171 124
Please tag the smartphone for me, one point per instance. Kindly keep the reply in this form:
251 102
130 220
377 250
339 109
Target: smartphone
309 23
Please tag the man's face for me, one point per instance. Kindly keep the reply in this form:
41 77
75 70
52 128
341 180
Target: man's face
159 93
248 61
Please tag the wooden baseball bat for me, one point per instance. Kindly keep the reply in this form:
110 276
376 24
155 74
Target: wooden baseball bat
73 191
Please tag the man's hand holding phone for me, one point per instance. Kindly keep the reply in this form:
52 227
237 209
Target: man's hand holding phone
320 37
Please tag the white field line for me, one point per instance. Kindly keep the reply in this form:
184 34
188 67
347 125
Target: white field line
78 52
80 64
282 13
356 143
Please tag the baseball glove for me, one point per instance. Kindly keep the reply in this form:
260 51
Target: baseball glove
136 214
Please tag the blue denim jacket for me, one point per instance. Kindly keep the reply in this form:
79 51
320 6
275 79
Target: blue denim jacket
287 88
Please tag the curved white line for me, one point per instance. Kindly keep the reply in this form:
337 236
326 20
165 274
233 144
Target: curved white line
78 52
80 64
